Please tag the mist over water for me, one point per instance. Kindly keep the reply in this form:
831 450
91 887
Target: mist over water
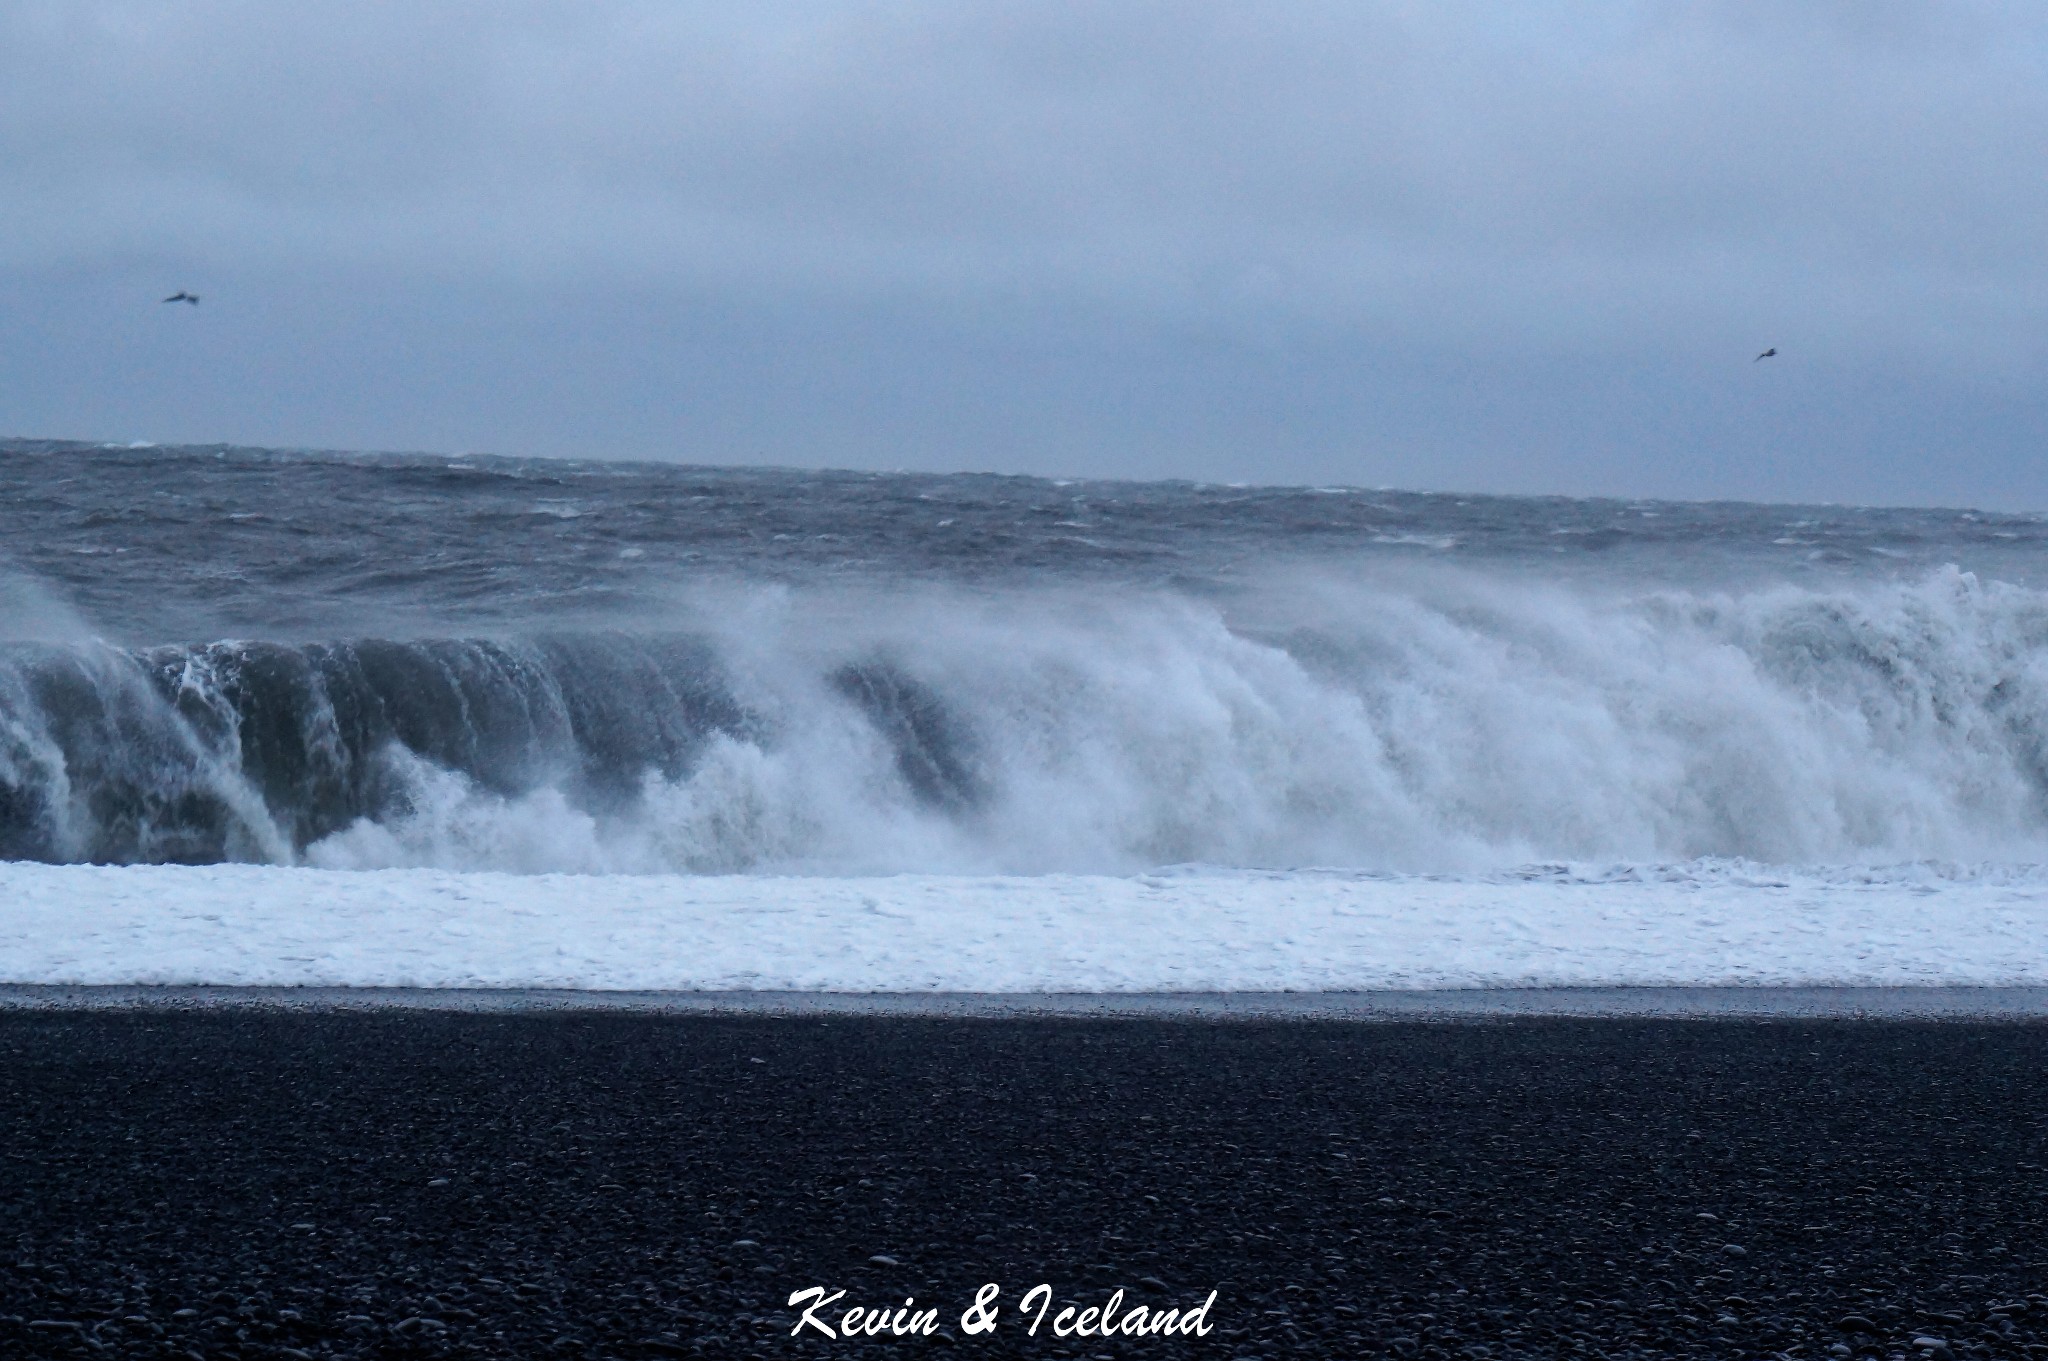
474 664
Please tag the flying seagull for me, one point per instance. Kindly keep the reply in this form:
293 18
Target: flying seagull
1765 355
182 296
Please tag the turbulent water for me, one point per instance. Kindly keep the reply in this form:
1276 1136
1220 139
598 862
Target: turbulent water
218 654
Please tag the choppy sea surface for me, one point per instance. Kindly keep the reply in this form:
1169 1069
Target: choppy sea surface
465 663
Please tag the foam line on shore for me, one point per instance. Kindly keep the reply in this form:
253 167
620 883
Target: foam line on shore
1169 933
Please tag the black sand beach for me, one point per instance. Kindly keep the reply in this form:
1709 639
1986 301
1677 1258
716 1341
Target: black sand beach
405 1184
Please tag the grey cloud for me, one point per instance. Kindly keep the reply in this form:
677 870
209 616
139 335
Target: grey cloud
1519 186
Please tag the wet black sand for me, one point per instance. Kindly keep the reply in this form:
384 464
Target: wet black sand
257 1183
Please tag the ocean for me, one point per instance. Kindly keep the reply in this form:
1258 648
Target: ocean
1062 733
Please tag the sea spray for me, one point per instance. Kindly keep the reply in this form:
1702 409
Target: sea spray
1444 720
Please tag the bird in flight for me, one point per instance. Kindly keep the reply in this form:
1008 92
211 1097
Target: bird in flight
182 296
1765 355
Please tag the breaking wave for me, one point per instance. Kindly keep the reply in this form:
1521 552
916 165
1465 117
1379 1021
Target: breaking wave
1430 722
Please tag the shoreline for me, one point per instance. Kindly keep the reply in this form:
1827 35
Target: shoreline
1903 1003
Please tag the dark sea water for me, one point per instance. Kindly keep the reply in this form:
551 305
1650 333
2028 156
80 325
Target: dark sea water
356 661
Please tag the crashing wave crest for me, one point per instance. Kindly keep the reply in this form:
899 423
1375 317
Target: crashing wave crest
1441 722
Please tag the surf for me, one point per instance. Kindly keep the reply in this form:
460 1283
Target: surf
1446 721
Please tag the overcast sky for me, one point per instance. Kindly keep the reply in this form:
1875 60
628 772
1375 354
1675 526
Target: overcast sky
1419 243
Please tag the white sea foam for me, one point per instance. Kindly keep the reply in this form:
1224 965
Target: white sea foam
1190 930
1440 723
